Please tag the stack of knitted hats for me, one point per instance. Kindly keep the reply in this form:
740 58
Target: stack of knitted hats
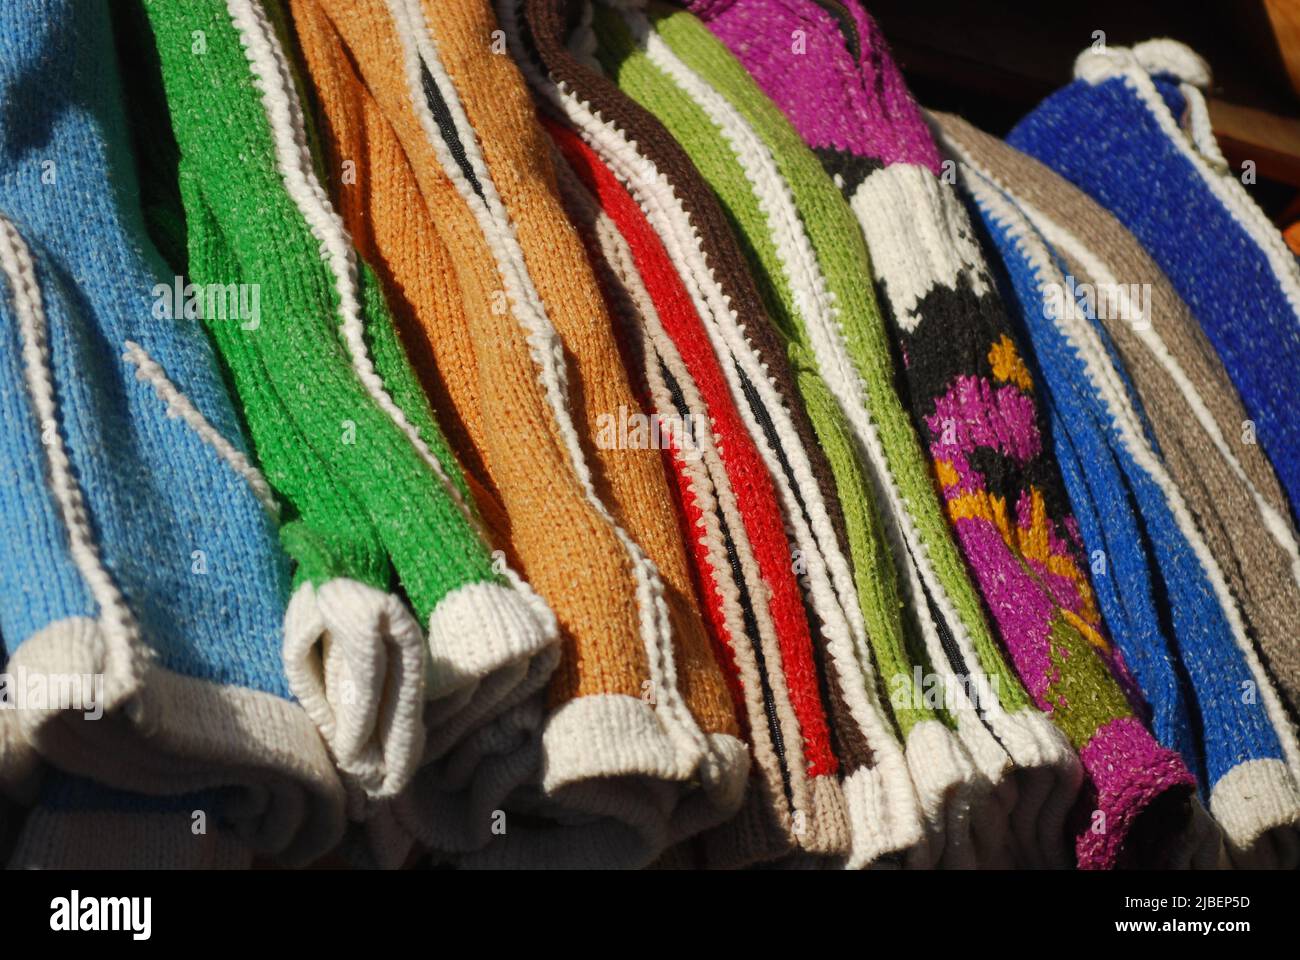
554 433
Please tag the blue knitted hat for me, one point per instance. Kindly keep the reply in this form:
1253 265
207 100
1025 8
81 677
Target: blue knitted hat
1133 132
1228 723
141 564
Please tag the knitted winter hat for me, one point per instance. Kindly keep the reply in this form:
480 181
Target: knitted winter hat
969 391
690 225
1193 408
336 418
140 554
1135 120
771 180
1248 745
637 662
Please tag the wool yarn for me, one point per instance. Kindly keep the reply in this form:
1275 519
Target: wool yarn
1193 408
828 222
77 824
368 172
1134 114
745 626
879 794
969 391
690 225
369 477
141 554
862 523
1243 733
524 348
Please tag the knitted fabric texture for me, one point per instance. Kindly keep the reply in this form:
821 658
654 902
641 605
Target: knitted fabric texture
1193 408
792 288
1125 500
380 206
140 556
1134 116
690 225
969 391
373 493
640 743
884 814
810 253
745 630
80 825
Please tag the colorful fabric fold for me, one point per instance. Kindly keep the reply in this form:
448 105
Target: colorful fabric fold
689 223
374 497
757 647
141 587
639 744
969 392
1193 409
809 252
1134 115
1129 508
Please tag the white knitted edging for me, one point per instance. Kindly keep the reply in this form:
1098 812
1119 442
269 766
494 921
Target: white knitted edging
125 654
178 405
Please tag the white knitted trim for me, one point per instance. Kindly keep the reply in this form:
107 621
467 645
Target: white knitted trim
480 628
58 839
192 735
1106 383
125 656
178 405
914 255
354 658
1254 804
546 348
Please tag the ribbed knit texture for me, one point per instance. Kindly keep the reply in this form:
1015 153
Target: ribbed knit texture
139 543
387 222
1134 119
809 253
690 225
797 285
1193 408
80 825
883 810
737 600
490 276
336 416
969 391
1129 508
